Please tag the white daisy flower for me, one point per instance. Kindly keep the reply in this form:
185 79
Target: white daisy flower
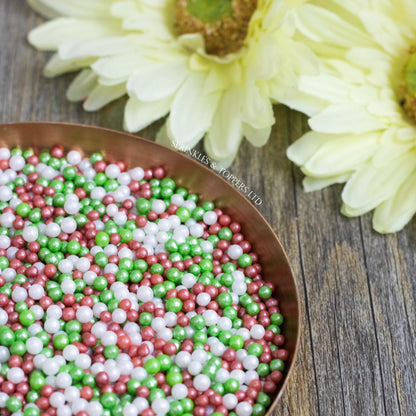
362 106
215 66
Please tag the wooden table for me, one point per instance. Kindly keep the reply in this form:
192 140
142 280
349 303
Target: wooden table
358 288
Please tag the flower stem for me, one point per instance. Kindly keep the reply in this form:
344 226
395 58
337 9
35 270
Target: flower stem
210 11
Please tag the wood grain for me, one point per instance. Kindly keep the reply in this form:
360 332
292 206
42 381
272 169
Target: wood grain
358 289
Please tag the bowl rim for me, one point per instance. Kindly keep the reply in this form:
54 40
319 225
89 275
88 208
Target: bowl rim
209 171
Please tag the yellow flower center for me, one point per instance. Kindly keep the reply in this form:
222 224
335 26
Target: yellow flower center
222 23
410 86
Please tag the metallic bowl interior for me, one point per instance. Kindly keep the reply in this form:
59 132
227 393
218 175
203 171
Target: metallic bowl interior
195 177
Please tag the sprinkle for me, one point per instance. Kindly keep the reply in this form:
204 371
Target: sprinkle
119 294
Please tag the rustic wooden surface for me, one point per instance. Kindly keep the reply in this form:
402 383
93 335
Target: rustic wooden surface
358 289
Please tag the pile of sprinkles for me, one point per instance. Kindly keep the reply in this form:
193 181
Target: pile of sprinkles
120 295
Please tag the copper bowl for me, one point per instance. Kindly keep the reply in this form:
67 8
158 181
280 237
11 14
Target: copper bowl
195 177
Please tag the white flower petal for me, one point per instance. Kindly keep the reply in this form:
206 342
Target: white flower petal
154 82
156 3
410 7
257 137
51 35
214 82
305 147
222 77
325 87
138 115
96 9
345 118
384 30
369 58
311 184
119 66
321 25
284 89
192 41
44 10
378 78
341 155
347 71
58 66
226 123
222 163
370 186
155 18
153 22
275 11
101 95
385 108
394 213
303 103
390 148
166 137
256 108
124 9
406 133
163 138
261 59
112 81
191 113
364 94
356 212
96 48
301 60
83 84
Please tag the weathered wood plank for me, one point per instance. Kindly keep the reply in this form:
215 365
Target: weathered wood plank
344 344
391 275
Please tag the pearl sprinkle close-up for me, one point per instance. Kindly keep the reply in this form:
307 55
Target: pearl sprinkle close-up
121 295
